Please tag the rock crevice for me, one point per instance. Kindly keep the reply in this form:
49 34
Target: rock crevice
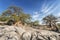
18 33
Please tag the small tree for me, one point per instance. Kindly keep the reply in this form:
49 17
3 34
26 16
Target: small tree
36 23
51 21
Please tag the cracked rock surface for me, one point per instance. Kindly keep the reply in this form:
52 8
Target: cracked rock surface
18 33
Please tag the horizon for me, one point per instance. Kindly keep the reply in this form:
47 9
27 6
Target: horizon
37 8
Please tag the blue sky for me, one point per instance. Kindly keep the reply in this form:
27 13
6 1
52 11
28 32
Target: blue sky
37 8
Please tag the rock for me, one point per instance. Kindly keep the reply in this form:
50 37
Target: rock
26 36
18 33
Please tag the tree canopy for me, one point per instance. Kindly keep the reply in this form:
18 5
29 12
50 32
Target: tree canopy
15 13
51 21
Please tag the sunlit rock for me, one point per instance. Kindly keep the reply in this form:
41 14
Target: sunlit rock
18 33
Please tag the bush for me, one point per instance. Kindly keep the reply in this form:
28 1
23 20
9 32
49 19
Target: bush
10 22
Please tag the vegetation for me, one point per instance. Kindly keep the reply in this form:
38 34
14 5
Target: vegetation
24 18
4 18
15 14
36 23
58 25
51 21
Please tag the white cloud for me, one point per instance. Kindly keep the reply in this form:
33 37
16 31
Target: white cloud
49 8
44 7
35 15
58 14
53 9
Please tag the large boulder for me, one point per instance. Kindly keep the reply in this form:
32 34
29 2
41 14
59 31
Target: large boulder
18 33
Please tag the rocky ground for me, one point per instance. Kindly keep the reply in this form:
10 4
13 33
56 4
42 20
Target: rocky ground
18 33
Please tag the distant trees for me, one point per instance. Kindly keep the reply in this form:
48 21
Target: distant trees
36 23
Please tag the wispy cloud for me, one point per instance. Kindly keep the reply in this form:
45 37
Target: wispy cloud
48 7
45 6
57 6
58 14
35 15
47 10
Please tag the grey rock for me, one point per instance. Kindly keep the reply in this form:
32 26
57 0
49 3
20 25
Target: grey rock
18 33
